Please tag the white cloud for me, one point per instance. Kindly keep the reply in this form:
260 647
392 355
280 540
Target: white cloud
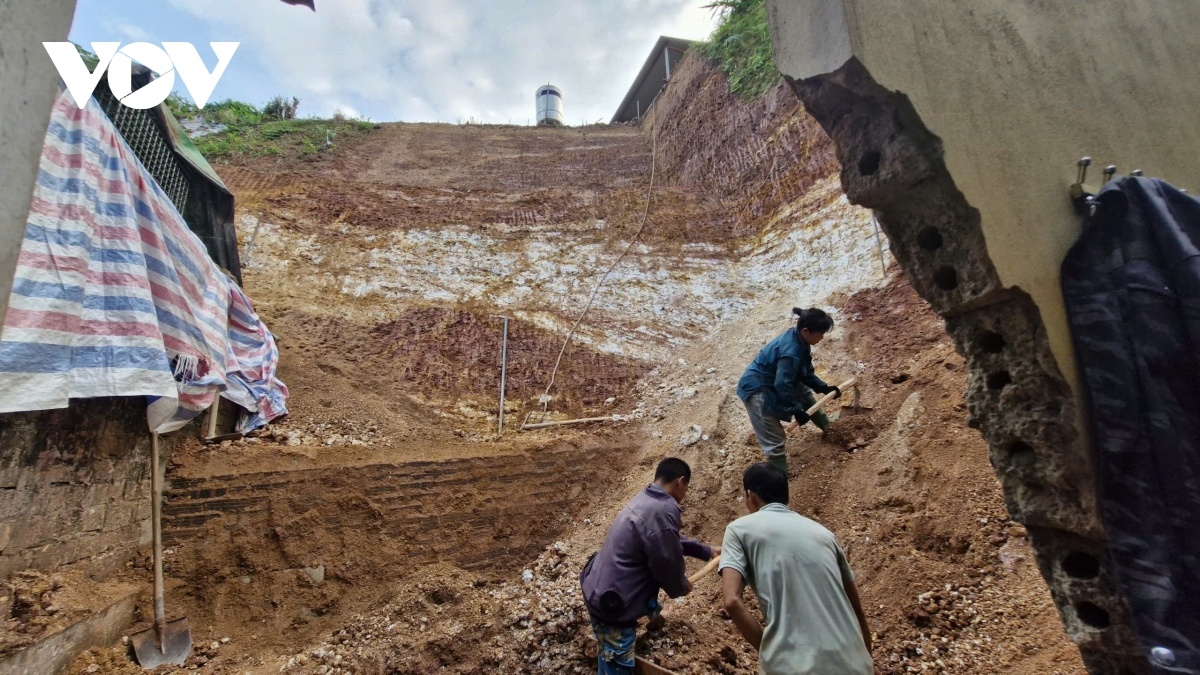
417 60
128 31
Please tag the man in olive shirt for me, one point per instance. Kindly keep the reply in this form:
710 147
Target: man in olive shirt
815 623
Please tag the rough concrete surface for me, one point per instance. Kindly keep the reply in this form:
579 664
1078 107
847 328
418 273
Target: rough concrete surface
960 123
29 82
1016 92
74 485
53 654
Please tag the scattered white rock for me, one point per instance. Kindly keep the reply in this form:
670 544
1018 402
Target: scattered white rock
692 436
317 574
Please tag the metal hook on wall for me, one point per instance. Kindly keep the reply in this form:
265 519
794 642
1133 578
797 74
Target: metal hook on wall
1082 194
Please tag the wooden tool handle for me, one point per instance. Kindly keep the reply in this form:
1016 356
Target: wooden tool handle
825 399
543 425
829 397
643 667
160 619
712 565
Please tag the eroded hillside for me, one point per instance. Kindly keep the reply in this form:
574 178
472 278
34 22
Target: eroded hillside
445 547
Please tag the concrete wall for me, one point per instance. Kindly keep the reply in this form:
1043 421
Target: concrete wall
75 486
1018 90
29 82
960 123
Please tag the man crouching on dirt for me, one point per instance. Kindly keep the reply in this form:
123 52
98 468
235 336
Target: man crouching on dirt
815 621
643 552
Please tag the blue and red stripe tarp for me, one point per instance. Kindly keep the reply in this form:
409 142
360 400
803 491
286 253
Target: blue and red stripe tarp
115 296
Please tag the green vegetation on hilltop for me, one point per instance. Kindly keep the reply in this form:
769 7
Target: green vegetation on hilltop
270 131
741 45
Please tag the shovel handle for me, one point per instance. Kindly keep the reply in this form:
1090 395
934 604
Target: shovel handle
825 399
712 565
643 667
160 612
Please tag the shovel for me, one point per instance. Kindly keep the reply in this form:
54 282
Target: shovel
855 409
165 642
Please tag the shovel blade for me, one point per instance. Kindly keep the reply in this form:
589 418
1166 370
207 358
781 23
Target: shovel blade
175 648
860 410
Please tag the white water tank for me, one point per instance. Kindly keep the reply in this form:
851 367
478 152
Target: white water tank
549 106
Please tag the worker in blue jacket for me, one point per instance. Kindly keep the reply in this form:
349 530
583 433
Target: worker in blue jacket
779 384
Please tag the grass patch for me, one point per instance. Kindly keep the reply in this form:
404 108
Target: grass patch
741 46
255 132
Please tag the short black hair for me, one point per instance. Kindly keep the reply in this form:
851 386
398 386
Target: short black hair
815 320
767 481
671 469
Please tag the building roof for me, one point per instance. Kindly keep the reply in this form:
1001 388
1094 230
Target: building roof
651 78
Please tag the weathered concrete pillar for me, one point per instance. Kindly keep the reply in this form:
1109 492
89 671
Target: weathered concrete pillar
29 83
960 124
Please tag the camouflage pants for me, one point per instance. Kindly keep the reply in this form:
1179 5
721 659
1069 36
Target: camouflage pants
614 654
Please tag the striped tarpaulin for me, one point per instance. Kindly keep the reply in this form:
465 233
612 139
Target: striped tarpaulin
115 296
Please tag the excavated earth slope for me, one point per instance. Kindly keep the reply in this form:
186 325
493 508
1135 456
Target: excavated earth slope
385 527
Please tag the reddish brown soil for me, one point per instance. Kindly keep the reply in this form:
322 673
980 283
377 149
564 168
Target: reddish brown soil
465 362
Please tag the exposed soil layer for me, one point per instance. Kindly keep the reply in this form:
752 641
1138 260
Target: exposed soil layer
756 156
464 341
242 541
948 581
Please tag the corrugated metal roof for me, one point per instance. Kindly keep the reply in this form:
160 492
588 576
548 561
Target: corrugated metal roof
651 78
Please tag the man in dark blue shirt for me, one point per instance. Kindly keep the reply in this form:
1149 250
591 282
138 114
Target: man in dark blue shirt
779 384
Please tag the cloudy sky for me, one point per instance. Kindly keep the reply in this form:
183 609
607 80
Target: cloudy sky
412 60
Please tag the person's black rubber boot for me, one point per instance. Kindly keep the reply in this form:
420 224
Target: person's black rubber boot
779 461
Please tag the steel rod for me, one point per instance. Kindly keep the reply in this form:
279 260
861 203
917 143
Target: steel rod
503 372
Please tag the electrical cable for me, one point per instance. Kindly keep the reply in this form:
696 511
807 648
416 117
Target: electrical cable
604 277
